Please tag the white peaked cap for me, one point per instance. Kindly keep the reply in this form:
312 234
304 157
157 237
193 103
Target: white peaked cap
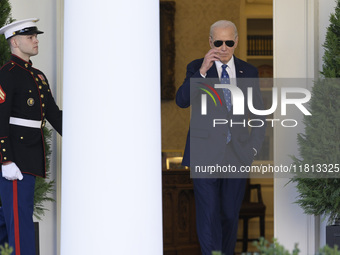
21 27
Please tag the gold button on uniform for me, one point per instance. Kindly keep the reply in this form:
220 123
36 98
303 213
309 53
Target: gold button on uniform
5 158
42 95
4 150
40 87
26 65
2 141
43 105
30 102
22 138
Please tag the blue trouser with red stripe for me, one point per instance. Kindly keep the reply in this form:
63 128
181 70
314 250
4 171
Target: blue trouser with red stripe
16 214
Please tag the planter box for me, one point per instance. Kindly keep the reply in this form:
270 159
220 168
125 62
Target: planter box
36 229
333 235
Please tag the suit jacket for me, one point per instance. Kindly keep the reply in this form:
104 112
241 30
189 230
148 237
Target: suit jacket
25 94
209 142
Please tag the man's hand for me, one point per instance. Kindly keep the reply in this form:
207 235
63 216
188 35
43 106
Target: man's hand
11 172
209 60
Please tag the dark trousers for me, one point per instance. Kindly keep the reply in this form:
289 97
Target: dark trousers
218 202
16 214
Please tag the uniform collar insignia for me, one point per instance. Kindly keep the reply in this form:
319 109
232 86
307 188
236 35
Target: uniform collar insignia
21 62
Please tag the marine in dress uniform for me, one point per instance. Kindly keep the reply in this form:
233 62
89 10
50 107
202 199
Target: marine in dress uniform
26 103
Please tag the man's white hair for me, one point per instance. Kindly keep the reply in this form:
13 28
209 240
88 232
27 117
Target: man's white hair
223 24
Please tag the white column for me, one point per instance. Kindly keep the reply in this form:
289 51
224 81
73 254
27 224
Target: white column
291 60
111 171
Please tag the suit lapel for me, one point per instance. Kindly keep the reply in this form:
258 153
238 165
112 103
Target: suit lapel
241 74
238 68
212 74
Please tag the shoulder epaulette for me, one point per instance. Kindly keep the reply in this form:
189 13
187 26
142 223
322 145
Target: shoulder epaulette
8 66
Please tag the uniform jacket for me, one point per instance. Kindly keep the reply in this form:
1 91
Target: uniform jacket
210 142
25 93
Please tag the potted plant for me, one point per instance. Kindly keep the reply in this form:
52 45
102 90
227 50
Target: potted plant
5 18
318 184
264 247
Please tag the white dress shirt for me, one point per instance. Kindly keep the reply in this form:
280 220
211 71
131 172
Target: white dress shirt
230 69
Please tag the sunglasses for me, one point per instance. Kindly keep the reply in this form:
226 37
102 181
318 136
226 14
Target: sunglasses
229 43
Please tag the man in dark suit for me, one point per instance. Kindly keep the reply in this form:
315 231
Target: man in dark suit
218 199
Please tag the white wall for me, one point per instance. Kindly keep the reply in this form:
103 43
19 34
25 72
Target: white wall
46 61
291 60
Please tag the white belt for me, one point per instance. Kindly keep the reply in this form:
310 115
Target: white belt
25 122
